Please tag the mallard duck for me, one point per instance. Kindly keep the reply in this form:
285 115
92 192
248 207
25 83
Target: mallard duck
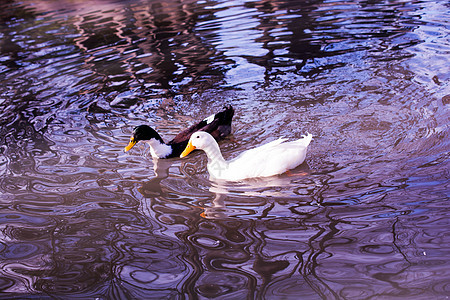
218 125
269 159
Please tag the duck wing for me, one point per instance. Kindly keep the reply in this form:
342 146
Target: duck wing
270 159
258 151
218 125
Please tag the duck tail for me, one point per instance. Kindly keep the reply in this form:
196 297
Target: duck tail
305 140
224 117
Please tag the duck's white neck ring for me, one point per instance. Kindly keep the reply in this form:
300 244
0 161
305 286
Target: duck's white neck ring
158 149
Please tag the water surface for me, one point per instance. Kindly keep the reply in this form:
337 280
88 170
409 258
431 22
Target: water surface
365 217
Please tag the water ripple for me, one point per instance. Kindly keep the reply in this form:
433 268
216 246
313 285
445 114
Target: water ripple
364 217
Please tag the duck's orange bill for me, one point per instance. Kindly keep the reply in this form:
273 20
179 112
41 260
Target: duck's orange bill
189 149
130 144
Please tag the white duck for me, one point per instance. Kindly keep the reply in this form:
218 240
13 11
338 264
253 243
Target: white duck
269 159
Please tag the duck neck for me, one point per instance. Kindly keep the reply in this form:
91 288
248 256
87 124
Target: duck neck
216 163
158 149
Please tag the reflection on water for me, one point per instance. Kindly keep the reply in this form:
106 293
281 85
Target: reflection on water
364 217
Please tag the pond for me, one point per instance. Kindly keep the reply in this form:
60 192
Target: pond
366 216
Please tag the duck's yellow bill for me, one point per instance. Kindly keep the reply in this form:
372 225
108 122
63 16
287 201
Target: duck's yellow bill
189 149
130 144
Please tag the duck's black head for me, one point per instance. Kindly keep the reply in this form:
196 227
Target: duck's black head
142 133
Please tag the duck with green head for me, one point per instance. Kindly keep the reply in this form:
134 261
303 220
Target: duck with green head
218 125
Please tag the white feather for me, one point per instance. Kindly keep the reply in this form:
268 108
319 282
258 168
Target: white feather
209 119
269 159
159 150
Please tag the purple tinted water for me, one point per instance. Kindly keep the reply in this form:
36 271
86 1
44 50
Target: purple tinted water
365 217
